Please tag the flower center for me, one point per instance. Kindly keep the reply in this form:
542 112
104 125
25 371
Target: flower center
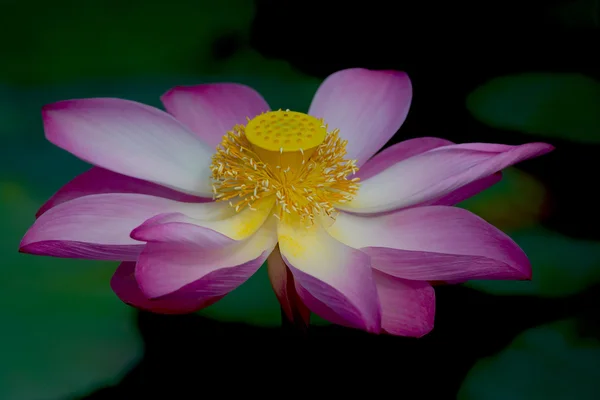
289 155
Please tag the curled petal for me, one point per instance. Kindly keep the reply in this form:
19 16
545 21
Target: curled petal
211 110
368 107
165 267
96 226
125 286
434 243
332 279
436 173
132 139
217 217
99 180
407 307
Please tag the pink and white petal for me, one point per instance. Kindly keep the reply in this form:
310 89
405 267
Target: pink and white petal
219 218
435 243
437 173
132 139
336 275
407 307
99 180
125 286
465 192
165 267
368 107
179 228
283 285
398 152
99 226
211 110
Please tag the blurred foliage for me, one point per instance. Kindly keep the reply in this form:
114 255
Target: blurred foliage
562 106
551 362
561 265
109 38
63 330
517 201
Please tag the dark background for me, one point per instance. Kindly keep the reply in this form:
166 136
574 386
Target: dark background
507 72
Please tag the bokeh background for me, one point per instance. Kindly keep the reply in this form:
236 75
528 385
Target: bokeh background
509 72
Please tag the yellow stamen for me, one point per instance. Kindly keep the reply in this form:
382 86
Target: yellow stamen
290 156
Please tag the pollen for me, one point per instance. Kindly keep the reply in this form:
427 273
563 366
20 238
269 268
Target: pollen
288 155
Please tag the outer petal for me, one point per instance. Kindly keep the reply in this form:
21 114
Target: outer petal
282 281
337 278
407 307
412 147
99 226
99 180
125 286
436 173
132 139
366 106
434 243
213 109
169 266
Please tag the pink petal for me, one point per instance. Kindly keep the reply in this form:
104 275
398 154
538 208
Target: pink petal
283 285
168 266
333 280
434 243
407 307
437 173
213 109
178 228
465 192
99 180
368 107
95 226
412 147
218 217
398 152
125 286
132 139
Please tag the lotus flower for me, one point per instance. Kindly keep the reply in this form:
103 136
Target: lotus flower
194 201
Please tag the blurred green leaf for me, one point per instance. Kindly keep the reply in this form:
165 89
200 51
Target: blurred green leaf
549 362
108 38
562 106
63 330
561 265
517 201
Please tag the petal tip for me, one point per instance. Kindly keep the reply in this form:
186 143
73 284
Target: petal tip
171 92
527 273
35 248
541 147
